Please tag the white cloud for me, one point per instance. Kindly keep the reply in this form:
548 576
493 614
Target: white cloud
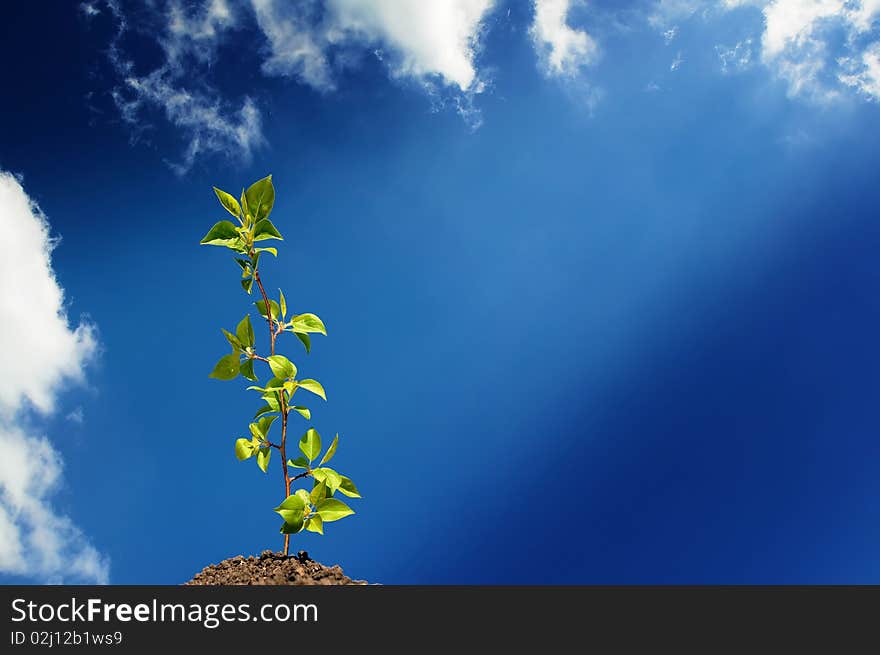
736 58
427 38
677 62
36 539
562 49
296 48
667 12
196 33
75 416
815 45
863 73
791 23
434 43
417 39
209 124
89 9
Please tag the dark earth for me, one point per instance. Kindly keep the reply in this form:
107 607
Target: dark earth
272 568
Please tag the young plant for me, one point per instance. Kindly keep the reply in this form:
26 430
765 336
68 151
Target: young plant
307 509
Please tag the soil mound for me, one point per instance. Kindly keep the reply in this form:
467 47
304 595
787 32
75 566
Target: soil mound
272 568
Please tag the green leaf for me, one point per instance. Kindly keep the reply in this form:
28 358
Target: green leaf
333 509
232 339
314 386
274 384
229 203
226 368
291 510
271 251
265 230
315 524
222 234
263 456
243 449
245 264
264 409
244 205
347 487
247 284
292 503
255 432
282 367
261 307
298 463
310 444
304 411
238 245
293 526
331 478
304 495
247 370
283 303
330 451
265 423
306 340
319 492
261 198
307 323
245 331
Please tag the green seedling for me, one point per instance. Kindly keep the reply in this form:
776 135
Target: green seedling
306 508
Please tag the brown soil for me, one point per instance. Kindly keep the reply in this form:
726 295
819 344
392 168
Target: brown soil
272 569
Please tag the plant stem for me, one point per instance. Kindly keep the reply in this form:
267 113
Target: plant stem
272 333
282 402
284 461
301 475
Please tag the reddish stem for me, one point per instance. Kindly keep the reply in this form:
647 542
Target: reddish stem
282 403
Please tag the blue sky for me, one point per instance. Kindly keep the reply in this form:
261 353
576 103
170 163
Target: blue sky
599 278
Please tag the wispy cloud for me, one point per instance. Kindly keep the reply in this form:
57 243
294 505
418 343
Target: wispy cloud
735 58
36 539
209 124
195 34
89 9
820 47
562 49
435 44
296 44
177 89
862 72
75 416
666 13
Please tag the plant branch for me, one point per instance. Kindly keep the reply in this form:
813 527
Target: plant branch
301 475
272 333
283 449
282 403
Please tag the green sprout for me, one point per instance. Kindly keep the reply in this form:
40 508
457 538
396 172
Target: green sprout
307 509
